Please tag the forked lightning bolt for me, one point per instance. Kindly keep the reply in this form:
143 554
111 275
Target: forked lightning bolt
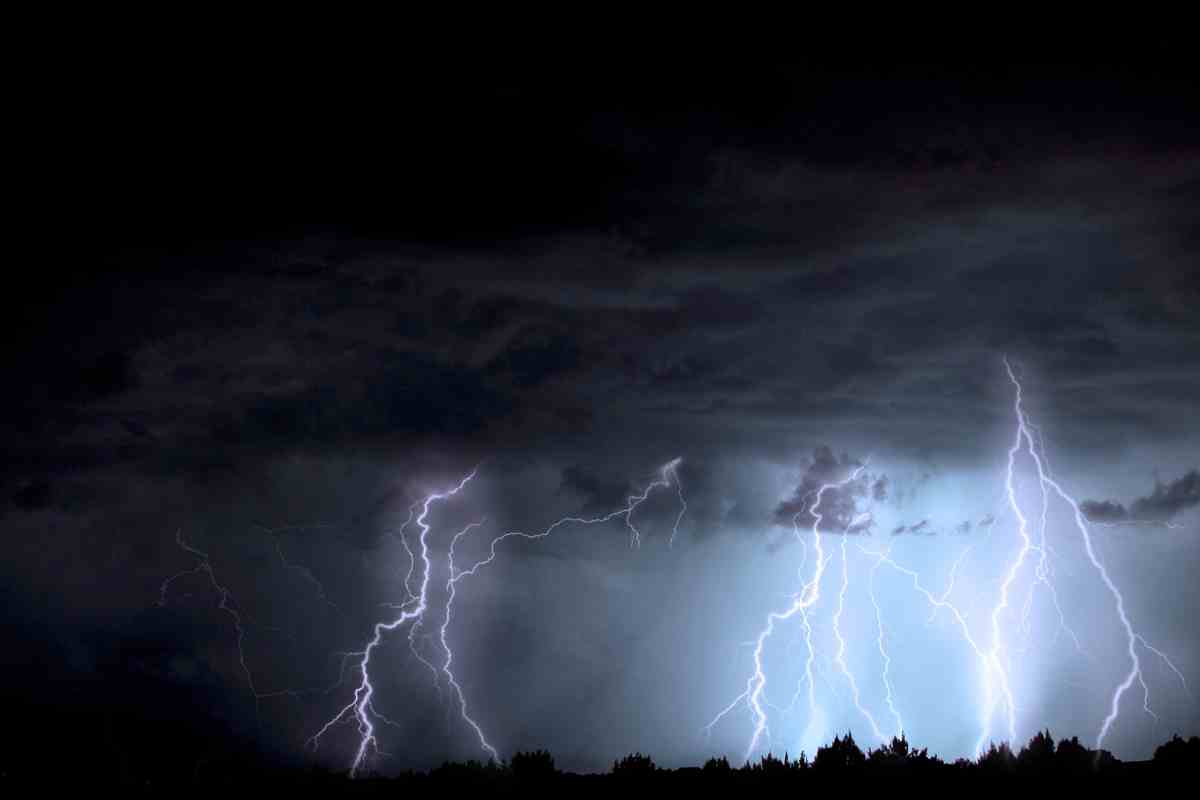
360 708
412 610
803 600
668 476
1133 639
1033 560
993 638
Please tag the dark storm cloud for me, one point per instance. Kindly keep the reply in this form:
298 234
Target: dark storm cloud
837 508
1166 501
33 495
600 493
1103 510
729 266
921 528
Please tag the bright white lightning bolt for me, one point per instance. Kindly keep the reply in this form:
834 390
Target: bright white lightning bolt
1034 560
809 594
668 476
1033 556
625 512
1133 638
883 652
360 707
451 586
839 657
994 665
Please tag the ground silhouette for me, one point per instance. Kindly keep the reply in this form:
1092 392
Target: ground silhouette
1040 763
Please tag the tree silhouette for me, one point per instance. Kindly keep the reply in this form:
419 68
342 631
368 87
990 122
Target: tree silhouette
633 765
771 766
720 765
533 773
1073 758
1038 756
998 760
840 754
533 765
1177 754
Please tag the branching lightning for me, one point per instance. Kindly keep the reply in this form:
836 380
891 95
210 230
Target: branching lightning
993 636
809 594
839 657
1032 560
882 642
412 610
361 707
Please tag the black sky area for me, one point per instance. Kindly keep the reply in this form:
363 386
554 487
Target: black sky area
286 294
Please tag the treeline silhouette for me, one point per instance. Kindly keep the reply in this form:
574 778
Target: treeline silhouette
535 773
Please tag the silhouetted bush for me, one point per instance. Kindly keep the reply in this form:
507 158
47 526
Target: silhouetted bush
898 755
998 760
717 765
840 754
1038 756
634 764
770 766
1072 758
534 773
534 765
1177 754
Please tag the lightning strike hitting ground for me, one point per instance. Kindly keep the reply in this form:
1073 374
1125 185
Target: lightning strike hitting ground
1033 560
1031 565
809 594
839 657
1133 638
413 609
883 651
451 591
360 707
668 476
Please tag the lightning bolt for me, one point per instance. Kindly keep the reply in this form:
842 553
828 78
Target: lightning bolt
1005 626
412 610
1133 638
671 472
361 708
809 594
668 476
882 642
451 589
839 657
1032 556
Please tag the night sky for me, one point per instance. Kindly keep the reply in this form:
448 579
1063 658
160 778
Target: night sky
267 313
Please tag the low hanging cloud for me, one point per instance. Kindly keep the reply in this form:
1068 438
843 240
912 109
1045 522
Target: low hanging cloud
1167 500
838 507
922 528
